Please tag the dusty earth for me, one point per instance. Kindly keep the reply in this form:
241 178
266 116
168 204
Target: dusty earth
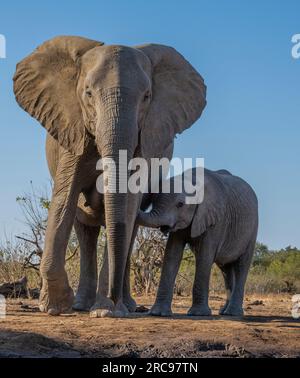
267 330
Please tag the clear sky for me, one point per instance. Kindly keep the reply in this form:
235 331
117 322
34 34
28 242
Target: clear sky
242 49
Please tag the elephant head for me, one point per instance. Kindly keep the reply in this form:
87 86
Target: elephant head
120 98
171 211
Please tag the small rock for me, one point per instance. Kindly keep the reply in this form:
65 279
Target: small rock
141 309
257 303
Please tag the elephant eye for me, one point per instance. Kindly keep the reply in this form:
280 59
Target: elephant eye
180 204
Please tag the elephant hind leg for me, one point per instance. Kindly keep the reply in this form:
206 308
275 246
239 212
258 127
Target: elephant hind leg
241 268
87 238
229 280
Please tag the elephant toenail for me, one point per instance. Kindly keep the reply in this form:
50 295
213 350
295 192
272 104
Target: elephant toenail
53 312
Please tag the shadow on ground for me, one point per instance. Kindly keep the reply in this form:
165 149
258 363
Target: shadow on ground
34 345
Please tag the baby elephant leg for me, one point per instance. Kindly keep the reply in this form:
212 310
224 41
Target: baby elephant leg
205 254
241 268
171 263
228 274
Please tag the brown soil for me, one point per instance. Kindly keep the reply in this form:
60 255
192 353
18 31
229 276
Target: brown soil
267 330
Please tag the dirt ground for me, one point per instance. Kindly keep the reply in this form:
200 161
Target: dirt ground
267 330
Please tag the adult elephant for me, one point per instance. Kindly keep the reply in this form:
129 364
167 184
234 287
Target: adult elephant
97 100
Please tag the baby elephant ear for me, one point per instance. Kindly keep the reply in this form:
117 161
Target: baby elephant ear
178 98
205 217
45 85
212 209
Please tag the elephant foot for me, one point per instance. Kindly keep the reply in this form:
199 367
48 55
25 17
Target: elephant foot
130 303
199 310
223 308
161 309
232 310
83 302
105 308
56 297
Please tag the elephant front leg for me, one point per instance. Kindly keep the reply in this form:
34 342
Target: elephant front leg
171 263
56 295
204 261
103 284
102 290
110 295
86 293
103 306
129 302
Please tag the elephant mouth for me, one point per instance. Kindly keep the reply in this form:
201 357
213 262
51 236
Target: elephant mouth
165 229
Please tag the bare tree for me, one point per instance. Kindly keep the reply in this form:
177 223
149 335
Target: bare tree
147 259
20 256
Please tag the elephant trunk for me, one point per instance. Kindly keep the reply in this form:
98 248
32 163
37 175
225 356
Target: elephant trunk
117 131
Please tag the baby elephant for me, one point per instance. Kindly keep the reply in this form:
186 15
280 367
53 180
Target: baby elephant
221 229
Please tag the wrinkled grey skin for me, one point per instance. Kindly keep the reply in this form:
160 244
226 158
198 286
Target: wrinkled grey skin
96 100
221 229
88 220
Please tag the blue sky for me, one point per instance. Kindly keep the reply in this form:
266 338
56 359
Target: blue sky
242 49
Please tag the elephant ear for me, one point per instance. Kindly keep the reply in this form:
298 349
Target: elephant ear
178 98
45 86
213 208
